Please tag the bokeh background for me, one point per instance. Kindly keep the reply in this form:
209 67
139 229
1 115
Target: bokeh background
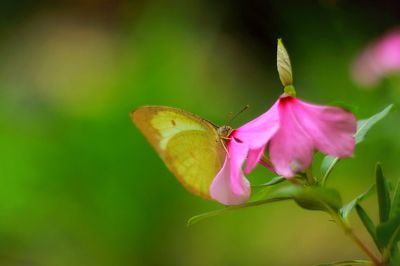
80 186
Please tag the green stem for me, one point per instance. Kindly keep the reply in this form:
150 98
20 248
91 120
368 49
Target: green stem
350 233
387 252
309 176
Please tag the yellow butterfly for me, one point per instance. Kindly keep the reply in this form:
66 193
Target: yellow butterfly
192 148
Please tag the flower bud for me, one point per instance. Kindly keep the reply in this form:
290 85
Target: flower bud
284 66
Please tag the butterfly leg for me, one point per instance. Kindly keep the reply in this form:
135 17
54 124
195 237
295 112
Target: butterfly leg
224 146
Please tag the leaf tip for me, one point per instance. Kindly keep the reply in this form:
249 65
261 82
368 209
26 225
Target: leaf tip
378 170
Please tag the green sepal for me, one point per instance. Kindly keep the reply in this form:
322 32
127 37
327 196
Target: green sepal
290 90
383 195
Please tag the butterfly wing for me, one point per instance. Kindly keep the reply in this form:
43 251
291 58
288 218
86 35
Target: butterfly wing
188 145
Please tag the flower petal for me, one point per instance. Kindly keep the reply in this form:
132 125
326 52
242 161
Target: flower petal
291 148
230 186
331 128
380 58
253 158
257 133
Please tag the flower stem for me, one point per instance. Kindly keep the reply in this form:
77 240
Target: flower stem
310 176
350 233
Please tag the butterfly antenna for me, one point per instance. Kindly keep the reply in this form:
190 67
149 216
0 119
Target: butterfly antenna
237 114
228 118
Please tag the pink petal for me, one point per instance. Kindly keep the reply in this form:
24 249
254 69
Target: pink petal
331 128
260 130
388 51
257 133
379 59
291 148
230 186
253 158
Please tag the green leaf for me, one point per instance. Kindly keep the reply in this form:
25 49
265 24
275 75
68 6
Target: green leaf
347 263
363 126
318 198
346 209
310 198
273 181
327 165
225 210
395 209
266 192
383 194
388 233
367 222
286 191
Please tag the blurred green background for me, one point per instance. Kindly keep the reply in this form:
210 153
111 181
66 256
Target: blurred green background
80 186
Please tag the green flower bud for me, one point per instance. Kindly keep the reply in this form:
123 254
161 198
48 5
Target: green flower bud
284 65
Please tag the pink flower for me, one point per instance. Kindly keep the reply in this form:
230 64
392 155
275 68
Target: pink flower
379 59
292 130
304 128
230 186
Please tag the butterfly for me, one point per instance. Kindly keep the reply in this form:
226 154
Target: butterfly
193 148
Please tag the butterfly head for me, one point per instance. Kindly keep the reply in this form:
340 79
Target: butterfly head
224 131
